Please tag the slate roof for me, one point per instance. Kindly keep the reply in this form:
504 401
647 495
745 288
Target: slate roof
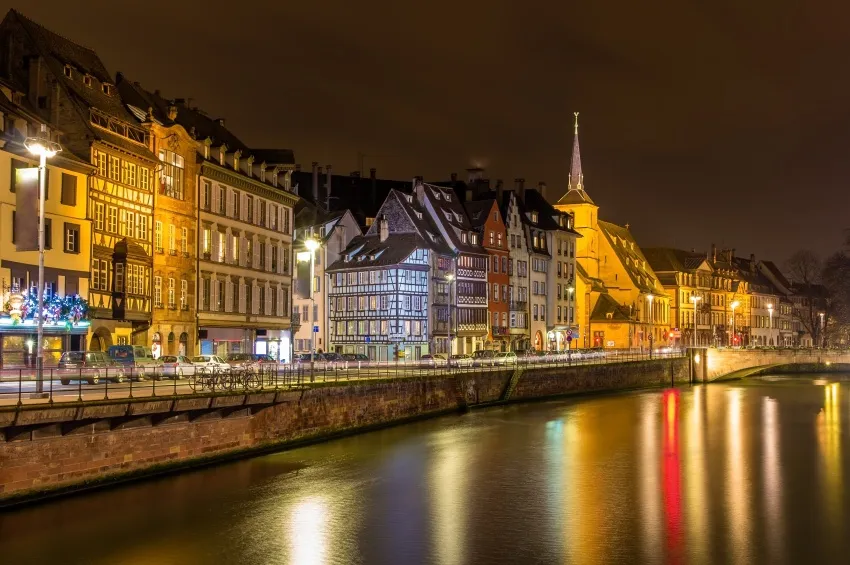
451 215
631 257
607 305
478 211
368 251
58 51
774 270
667 259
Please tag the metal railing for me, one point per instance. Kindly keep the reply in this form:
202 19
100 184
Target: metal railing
19 386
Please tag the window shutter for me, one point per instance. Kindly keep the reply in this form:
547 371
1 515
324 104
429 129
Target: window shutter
268 257
201 294
228 296
69 189
214 197
213 295
214 242
241 304
254 298
255 259
268 306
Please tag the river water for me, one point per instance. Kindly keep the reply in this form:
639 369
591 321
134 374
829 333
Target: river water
746 472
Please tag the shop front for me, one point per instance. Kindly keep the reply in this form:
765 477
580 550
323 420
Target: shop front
224 341
18 342
275 343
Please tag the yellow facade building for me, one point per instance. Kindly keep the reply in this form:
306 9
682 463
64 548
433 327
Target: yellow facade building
619 300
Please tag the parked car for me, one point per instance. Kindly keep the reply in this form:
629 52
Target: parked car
505 358
177 366
241 361
138 361
484 358
355 357
435 360
461 360
331 356
209 363
89 366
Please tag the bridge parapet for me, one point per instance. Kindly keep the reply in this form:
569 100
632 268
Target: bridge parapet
723 362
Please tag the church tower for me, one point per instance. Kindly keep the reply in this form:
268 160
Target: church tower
578 203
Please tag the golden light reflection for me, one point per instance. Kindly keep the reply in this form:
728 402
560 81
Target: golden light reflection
772 479
737 495
649 486
308 532
696 475
829 438
672 491
449 491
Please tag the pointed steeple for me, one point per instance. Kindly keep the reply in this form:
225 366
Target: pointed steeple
575 192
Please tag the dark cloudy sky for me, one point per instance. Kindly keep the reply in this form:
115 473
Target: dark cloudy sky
724 121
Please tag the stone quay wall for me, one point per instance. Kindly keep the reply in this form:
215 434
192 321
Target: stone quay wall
48 451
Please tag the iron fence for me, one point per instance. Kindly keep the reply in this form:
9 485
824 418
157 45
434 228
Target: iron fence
22 386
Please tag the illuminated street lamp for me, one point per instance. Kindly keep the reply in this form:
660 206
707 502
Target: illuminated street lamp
312 245
696 299
449 277
43 148
770 324
822 340
650 297
734 305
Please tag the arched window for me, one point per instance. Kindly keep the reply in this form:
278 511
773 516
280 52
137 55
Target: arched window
184 344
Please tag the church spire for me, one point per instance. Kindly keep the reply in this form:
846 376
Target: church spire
576 177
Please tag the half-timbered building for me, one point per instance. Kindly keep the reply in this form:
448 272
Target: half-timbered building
71 89
382 287
470 265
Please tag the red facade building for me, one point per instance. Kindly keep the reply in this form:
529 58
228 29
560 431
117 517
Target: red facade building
485 217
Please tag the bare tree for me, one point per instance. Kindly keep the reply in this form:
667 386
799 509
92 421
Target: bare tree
805 270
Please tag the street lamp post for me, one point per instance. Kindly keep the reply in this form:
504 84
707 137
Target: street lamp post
312 245
696 299
822 340
44 149
449 277
734 305
570 290
770 323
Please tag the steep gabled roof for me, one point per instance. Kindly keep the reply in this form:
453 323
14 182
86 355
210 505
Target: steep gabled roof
631 257
605 306
450 215
58 51
478 212
667 259
364 252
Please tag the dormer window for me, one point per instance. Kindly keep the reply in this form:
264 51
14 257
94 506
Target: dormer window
436 195
418 214
87 80
106 88
221 153
533 216
448 215
409 198
206 150
448 198
68 71
463 237
473 238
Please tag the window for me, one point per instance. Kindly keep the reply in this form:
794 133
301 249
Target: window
48 233
206 195
172 238
171 178
495 292
69 191
128 173
68 71
221 247
112 219
237 208
98 216
144 178
492 238
249 209
273 266
219 295
285 225
222 200
261 212
72 238
499 239
87 80
207 242
463 237
114 168
273 217
157 291
142 227
184 241
184 291
157 236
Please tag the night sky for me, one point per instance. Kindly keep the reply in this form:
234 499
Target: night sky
701 122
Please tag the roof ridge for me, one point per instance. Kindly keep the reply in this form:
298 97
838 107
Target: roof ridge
43 28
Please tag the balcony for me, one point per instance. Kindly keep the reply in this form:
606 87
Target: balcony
295 320
519 306
172 252
499 330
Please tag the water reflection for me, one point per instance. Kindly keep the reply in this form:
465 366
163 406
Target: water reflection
749 472
772 471
737 493
829 436
308 532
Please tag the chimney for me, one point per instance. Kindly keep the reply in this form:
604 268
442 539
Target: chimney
220 122
474 175
541 186
713 252
172 112
354 174
328 185
316 181
298 167
499 192
373 172
469 192
383 229
454 177
753 262
520 184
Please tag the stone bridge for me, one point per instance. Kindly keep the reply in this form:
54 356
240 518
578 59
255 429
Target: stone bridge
720 364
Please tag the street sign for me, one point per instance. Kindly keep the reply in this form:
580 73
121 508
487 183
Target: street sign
569 334
368 339
315 329
569 337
